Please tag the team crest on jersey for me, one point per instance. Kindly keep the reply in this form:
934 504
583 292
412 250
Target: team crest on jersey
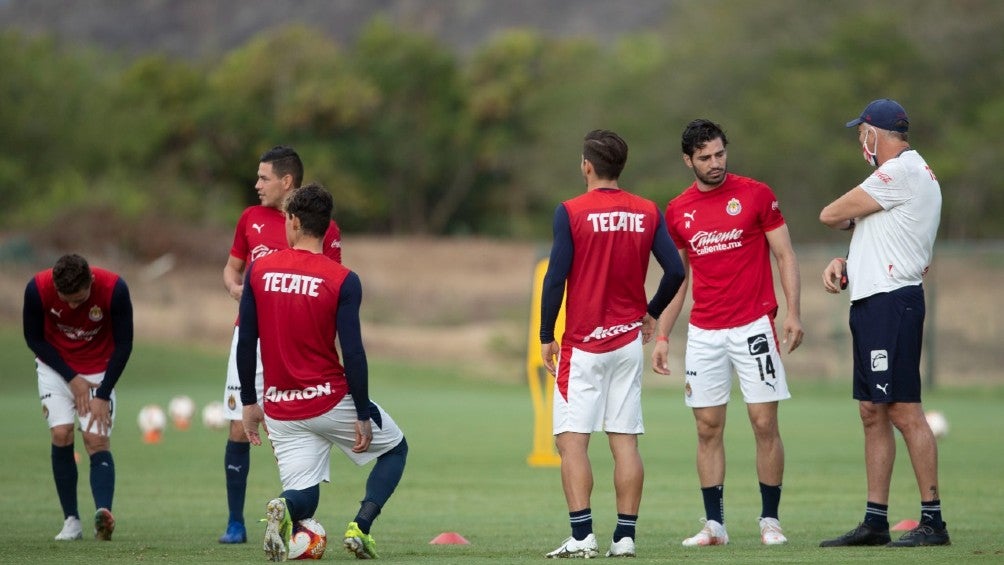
687 390
232 402
95 314
733 207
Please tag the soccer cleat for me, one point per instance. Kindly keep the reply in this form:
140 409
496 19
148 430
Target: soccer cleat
712 533
622 548
236 533
924 534
863 534
771 533
278 529
363 546
104 524
71 530
572 548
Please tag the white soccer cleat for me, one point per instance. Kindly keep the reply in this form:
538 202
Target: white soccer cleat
572 548
278 529
771 533
712 533
622 548
71 530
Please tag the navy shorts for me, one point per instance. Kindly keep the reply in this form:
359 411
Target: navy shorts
887 331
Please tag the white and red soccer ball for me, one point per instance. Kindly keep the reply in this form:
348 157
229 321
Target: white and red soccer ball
181 409
938 423
213 416
308 541
152 421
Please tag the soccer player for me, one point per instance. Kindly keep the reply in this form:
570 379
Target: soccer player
602 243
726 227
894 215
259 231
78 323
296 302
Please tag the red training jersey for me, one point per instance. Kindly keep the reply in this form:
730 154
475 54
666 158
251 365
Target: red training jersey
724 234
296 297
262 230
82 335
612 234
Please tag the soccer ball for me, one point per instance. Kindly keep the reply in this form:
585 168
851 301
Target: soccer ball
181 409
213 416
151 422
308 540
938 423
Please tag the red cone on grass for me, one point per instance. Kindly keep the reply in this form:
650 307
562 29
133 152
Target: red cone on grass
449 538
905 525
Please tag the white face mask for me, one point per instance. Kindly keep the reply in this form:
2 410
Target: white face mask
870 155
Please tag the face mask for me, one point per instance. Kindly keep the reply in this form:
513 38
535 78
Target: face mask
870 155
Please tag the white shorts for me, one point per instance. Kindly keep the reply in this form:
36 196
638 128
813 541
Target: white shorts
232 407
57 398
303 447
604 391
751 350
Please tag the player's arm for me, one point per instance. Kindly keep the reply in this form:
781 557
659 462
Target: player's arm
842 212
233 277
122 336
660 353
787 265
247 345
354 357
672 270
33 319
553 287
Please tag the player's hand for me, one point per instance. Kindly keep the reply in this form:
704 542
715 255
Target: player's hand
101 417
548 353
364 435
236 291
793 332
251 416
660 357
81 389
833 276
647 328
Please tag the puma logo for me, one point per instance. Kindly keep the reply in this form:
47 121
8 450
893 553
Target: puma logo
689 217
884 388
771 385
236 468
56 313
258 227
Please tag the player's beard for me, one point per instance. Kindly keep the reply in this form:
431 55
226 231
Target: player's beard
713 177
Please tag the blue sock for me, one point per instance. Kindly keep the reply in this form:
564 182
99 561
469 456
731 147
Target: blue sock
714 503
302 503
381 483
64 472
930 513
625 526
770 498
103 479
582 523
236 463
877 515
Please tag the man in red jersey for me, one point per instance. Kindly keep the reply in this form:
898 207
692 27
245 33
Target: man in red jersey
260 231
726 227
78 322
297 302
602 243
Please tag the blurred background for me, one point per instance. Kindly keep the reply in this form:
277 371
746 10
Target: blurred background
448 130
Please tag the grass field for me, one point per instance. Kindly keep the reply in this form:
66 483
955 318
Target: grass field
467 473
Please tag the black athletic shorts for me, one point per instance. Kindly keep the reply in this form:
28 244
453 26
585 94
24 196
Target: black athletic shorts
887 331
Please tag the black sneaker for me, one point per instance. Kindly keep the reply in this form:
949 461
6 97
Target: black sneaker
861 535
924 534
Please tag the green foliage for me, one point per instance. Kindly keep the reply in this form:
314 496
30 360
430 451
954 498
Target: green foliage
415 138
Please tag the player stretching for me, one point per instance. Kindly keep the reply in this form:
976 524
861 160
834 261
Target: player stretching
78 322
602 243
726 227
297 302
260 231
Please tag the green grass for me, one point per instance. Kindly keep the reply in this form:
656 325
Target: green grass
467 473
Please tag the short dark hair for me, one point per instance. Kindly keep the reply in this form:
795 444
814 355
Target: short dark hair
285 161
311 203
606 151
71 274
699 133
